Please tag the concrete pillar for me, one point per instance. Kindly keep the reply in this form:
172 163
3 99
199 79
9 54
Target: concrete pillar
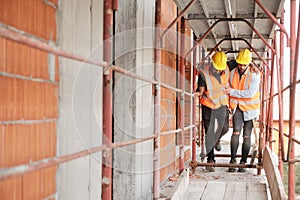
133 100
80 120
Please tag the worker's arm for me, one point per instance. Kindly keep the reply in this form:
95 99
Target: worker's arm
201 91
201 84
248 93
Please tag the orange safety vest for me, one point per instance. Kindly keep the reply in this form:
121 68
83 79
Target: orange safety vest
215 96
245 104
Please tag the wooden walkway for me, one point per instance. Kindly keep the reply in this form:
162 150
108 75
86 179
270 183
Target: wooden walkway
224 185
221 184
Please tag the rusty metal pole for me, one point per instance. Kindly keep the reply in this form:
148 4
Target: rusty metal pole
179 16
272 18
182 98
157 72
267 80
201 125
280 72
262 120
107 100
293 73
270 110
231 19
231 39
193 67
280 104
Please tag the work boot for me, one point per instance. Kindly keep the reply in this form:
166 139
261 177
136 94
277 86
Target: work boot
232 169
210 168
242 169
218 146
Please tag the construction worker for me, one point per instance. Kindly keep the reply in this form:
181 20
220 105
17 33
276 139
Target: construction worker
244 102
211 83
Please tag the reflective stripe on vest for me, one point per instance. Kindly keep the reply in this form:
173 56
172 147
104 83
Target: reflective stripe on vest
215 96
245 104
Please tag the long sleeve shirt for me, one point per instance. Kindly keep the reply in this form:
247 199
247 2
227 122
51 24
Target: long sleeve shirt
248 93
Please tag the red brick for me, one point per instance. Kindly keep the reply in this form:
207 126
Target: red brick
14 97
51 101
52 136
11 189
9 147
50 23
4 97
45 140
26 11
18 59
38 145
49 181
57 78
38 138
42 139
39 64
41 23
15 152
33 185
9 13
32 143
39 109
2 54
19 99
33 100
25 142
18 143
2 143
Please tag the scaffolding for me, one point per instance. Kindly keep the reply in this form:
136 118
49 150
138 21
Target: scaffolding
267 98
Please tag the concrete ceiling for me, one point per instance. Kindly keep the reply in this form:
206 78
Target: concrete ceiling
204 13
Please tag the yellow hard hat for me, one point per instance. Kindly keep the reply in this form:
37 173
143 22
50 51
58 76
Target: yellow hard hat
244 57
219 60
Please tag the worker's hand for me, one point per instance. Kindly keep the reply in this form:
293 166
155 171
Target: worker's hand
253 69
227 90
197 94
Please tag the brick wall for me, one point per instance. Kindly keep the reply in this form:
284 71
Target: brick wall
29 99
169 100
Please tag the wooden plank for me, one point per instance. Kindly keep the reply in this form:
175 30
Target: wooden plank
214 191
196 189
257 191
235 191
273 176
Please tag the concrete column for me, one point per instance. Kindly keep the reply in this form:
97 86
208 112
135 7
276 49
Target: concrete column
80 120
133 100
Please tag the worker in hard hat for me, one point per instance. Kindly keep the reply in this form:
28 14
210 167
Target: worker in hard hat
244 101
211 83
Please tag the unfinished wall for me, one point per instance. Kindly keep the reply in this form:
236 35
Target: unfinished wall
169 76
29 99
170 101
133 100
80 125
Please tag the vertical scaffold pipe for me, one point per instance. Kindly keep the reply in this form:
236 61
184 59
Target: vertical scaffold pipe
262 119
107 101
182 96
194 88
270 111
293 69
280 104
281 72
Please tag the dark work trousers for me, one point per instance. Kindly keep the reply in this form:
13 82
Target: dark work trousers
216 124
238 124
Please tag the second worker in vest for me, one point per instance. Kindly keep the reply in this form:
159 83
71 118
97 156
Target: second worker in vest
211 83
245 103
